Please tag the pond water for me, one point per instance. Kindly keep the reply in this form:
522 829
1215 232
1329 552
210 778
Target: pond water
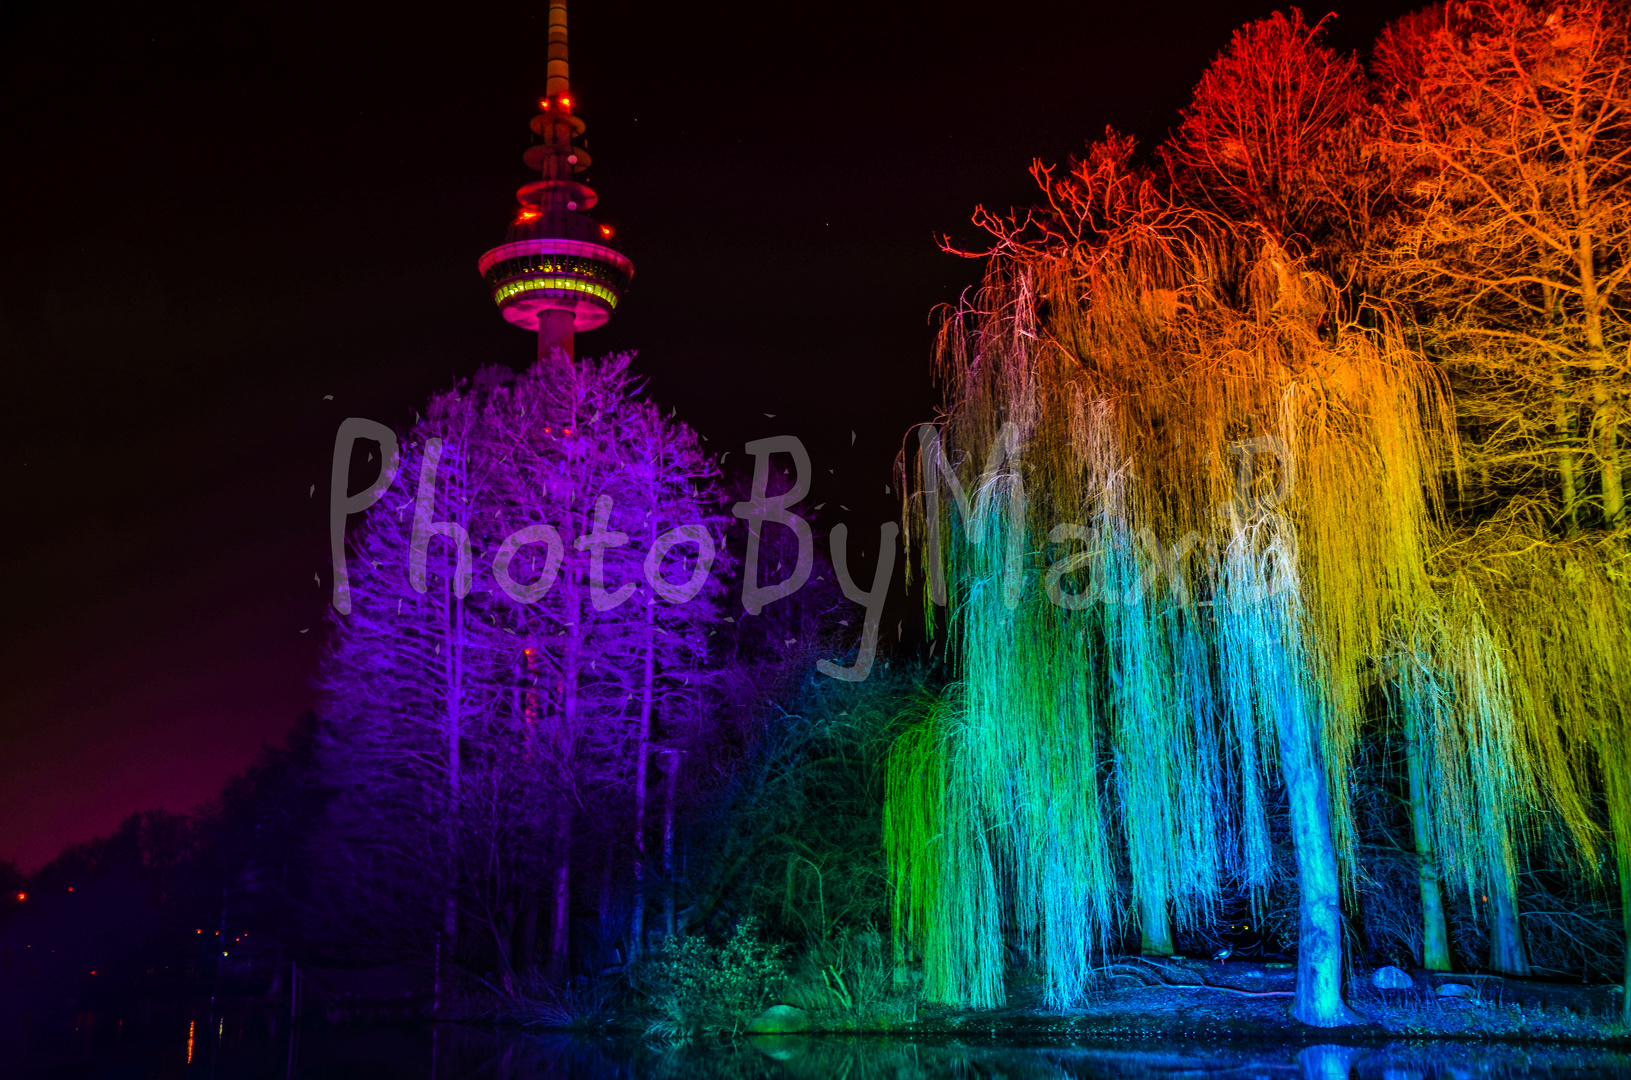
258 1048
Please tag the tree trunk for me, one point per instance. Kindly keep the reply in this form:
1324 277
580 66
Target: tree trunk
1604 421
1435 936
1605 428
445 943
1319 932
566 739
1480 440
560 930
503 936
1506 952
1154 929
603 905
453 710
1563 427
1625 924
529 707
671 765
527 959
637 940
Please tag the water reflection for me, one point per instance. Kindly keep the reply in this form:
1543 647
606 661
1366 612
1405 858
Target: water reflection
791 1057
264 1051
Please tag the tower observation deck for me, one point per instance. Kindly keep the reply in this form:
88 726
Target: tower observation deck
556 272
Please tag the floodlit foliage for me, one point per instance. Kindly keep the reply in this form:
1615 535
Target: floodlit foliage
1219 614
492 717
1509 248
1208 430
1510 126
698 987
1269 137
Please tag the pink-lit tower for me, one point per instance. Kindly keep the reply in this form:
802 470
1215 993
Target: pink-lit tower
556 272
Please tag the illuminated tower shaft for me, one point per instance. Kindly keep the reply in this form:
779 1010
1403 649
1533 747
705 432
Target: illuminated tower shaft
555 272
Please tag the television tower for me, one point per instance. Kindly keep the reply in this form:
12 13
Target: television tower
556 272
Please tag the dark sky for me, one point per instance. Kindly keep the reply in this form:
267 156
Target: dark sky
218 214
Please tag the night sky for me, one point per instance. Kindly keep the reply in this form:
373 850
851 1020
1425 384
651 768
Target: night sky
217 216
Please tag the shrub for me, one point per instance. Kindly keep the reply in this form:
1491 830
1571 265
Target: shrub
700 988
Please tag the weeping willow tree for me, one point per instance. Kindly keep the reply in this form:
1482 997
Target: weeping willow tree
1204 509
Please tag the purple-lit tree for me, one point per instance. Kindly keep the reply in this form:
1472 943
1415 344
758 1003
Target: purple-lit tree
414 672
530 608
609 592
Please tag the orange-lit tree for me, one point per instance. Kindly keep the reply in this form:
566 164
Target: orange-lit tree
1507 247
1274 137
1510 125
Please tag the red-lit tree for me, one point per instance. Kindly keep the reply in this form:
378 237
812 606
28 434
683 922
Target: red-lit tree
1271 137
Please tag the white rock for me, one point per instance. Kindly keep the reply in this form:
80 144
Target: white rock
1389 977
